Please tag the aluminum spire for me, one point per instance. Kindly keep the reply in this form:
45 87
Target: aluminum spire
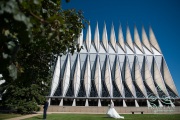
96 38
88 38
153 40
105 39
137 39
145 40
129 38
121 38
113 38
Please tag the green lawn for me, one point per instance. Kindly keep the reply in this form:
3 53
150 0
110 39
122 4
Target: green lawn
104 117
6 116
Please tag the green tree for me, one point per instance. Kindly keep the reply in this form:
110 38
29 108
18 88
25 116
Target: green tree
32 34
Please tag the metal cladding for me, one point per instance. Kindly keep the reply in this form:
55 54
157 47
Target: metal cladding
113 69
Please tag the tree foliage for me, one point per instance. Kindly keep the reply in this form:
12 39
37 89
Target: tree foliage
32 33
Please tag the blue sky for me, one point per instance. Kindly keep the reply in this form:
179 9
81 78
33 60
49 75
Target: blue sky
162 15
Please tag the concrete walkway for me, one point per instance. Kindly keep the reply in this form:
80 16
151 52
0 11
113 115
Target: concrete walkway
41 113
24 117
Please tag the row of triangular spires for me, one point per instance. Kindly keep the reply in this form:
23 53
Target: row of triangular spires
147 43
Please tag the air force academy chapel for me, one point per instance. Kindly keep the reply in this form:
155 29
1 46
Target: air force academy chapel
129 72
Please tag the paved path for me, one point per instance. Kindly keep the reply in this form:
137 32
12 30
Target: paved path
24 117
41 113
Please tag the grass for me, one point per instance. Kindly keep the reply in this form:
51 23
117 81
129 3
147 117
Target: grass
7 116
104 117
